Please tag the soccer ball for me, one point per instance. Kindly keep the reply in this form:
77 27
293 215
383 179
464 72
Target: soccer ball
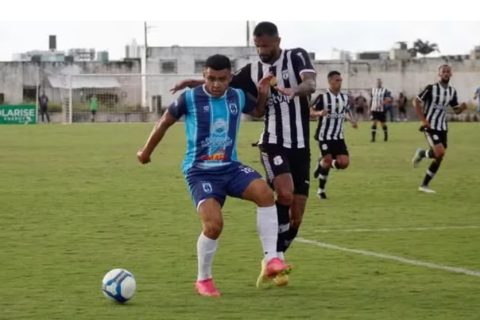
119 285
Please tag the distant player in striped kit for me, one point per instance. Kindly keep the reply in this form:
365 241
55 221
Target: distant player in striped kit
379 96
332 107
436 98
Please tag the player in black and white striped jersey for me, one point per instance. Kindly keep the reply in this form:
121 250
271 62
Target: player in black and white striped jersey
285 140
436 99
379 96
332 107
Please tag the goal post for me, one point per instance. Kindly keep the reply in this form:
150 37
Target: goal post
114 98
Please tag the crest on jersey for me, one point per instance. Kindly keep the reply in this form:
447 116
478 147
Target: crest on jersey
285 74
233 108
207 187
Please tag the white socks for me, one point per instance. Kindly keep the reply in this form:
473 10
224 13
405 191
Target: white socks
267 226
206 249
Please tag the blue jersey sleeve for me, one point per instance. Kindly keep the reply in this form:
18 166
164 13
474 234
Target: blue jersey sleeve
178 108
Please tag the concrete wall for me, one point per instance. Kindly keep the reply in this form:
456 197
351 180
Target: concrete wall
11 81
15 75
408 76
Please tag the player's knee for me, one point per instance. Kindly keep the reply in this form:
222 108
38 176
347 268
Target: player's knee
285 196
210 212
343 163
213 228
439 154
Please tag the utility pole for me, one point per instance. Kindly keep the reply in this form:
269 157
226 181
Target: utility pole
248 34
145 31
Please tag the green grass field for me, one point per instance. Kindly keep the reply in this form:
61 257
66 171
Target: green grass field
75 204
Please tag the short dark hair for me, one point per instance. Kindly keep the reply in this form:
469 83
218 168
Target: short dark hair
332 74
265 28
218 62
444 66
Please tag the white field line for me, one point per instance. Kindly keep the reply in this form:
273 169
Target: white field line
390 257
396 229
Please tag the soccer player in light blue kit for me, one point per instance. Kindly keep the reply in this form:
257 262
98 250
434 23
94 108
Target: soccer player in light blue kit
211 168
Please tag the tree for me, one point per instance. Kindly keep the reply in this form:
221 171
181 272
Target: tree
424 47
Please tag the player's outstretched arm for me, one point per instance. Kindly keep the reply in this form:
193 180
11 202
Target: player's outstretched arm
457 108
350 116
303 66
308 85
174 112
157 134
188 83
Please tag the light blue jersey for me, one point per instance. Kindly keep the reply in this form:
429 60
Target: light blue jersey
211 125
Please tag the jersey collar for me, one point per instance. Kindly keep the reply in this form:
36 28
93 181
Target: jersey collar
208 94
335 94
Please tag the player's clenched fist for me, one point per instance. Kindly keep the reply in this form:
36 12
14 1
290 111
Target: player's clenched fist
143 157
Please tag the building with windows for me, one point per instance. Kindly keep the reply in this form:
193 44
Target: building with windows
191 60
133 50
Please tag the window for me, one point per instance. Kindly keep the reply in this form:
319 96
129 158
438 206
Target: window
29 93
168 66
199 66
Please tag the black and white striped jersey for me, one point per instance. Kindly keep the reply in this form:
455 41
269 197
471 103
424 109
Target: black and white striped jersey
436 99
378 96
286 120
330 126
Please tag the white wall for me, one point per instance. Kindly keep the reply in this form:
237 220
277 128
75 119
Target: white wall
408 76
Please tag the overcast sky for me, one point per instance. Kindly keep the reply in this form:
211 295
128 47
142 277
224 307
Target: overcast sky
319 37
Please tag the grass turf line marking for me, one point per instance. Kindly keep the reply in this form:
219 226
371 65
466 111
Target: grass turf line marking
397 229
390 257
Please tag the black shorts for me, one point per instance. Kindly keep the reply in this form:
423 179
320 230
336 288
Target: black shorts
278 160
94 112
435 137
359 110
402 110
379 116
333 147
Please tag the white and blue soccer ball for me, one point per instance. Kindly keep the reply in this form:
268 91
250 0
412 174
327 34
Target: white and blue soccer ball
119 285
